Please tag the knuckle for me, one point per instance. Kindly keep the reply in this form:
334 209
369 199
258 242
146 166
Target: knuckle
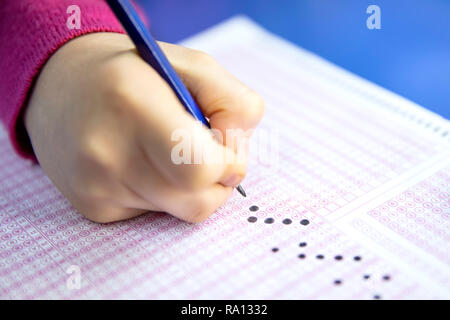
201 58
119 95
254 106
96 153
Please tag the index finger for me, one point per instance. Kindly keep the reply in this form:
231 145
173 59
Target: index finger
227 102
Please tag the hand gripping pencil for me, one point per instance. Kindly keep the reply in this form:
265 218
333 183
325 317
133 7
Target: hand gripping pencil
150 51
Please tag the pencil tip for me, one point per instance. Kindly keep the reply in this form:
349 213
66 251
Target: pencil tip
241 191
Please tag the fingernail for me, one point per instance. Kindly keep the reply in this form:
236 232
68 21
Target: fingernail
232 181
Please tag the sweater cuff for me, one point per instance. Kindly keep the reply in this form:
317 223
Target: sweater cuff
30 33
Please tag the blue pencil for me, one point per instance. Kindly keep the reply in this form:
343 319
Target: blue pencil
150 51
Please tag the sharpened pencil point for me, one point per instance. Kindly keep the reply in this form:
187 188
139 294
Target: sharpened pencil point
241 191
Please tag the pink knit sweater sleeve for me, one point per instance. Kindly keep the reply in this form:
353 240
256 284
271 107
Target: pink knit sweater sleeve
30 32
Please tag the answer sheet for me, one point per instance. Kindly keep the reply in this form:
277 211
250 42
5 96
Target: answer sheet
351 201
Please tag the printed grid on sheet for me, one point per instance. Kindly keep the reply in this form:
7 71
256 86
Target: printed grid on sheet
421 215
332 150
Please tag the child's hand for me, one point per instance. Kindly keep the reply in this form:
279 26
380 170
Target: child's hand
101 119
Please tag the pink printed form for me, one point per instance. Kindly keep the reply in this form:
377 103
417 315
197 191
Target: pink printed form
355 204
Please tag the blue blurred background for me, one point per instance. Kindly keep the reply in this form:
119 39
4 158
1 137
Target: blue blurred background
409 55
